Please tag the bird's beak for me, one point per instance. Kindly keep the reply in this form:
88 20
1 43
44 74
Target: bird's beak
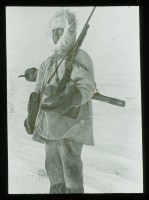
21 76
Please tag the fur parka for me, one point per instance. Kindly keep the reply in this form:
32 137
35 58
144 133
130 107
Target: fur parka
51 125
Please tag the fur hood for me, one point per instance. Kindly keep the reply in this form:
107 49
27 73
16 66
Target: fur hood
67 20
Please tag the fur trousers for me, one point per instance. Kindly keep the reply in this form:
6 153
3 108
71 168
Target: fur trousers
64 166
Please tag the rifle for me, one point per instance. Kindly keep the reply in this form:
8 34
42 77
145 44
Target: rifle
71 56
110 100
70 59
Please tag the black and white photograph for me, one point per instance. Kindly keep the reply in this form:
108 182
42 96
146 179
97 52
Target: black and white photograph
74 100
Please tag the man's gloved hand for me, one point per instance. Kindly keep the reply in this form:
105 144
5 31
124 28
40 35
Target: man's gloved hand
59 99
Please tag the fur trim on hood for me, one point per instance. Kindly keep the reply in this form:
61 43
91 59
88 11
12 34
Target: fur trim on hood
67 20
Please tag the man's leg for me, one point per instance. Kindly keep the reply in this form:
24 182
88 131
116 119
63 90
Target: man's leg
58 188
70 153
54 168
77 190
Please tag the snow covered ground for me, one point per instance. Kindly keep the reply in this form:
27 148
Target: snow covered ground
114 164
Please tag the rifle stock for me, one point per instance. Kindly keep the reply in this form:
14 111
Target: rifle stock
110 100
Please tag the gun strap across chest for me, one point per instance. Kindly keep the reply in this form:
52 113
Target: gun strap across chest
60 56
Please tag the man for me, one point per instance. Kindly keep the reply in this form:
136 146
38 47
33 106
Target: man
65 123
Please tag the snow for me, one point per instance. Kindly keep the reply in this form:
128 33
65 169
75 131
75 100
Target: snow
114 164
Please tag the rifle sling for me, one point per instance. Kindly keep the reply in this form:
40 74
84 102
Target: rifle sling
60 57
74 62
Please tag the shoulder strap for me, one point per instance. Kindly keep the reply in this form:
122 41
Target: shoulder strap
52 61
59 57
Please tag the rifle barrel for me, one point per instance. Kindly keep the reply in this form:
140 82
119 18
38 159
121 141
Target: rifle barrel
90 15
84 28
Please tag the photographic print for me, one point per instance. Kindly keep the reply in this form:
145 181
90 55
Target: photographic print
74 100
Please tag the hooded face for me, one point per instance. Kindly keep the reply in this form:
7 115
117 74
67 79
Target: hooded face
62 36
57 33
57 28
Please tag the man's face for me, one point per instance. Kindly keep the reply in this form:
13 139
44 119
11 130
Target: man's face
57 33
